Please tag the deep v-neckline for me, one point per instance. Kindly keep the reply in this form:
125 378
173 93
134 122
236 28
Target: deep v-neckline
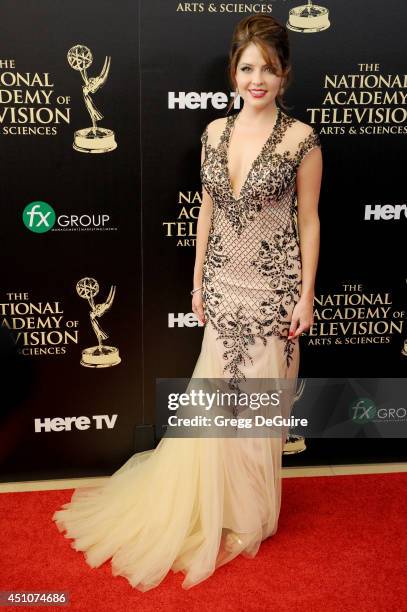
230 122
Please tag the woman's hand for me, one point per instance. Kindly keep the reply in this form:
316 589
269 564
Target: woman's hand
197 305
303 317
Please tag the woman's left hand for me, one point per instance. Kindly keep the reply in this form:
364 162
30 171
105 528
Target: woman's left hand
302 317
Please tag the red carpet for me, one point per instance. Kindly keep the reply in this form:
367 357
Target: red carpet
340 547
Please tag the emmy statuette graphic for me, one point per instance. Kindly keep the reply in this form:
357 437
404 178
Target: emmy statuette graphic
308 18
99 356
294 443
93 139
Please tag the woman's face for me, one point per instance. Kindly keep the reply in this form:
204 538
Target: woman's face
257 81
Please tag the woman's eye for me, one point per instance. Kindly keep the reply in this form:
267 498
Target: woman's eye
246 68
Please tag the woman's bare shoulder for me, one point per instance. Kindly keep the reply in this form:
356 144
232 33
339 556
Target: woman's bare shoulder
301 129
300 134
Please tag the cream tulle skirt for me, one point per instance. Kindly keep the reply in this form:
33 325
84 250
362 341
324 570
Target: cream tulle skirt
174 507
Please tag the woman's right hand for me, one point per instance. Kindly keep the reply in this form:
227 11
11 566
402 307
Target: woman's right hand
197 305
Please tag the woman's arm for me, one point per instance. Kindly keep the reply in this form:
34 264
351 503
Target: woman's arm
202 233
309 176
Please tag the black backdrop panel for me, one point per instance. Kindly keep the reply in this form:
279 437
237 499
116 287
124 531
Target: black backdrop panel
166 58
103 191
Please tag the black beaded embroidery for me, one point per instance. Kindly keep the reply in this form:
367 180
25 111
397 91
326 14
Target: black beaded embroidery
252 267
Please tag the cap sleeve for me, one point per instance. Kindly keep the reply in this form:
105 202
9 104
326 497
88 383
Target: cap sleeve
312 141
204 137
204 140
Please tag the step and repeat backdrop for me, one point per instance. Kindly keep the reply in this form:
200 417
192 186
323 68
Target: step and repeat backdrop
102 106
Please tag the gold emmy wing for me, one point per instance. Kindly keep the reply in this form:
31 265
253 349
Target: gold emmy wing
175 506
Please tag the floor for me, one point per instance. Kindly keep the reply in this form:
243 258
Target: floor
287 472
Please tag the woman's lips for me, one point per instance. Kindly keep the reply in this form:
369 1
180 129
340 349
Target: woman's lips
258 93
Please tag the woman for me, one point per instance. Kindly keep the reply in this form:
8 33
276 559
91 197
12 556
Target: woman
193 504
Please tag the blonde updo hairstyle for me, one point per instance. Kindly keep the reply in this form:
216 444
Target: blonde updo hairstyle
267 33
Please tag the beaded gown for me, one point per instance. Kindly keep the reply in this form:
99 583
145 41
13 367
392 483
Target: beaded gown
173 507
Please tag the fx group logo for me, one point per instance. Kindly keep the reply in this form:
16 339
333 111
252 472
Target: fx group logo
364 410
39 217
